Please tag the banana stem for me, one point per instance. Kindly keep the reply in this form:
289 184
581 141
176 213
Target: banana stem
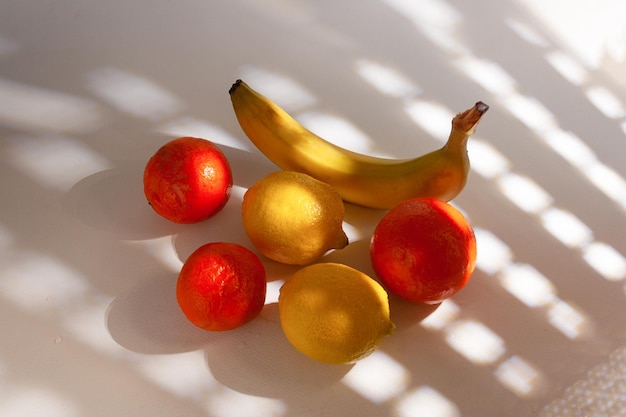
467 121
235 85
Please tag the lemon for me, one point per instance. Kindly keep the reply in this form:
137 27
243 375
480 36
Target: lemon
334 313
292 218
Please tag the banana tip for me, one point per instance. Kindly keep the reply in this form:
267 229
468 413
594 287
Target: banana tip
481 107
467 120
234 86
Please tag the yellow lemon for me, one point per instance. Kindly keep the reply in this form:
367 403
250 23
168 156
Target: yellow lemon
292 218
334 313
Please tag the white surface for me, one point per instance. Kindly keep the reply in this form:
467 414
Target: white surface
90 89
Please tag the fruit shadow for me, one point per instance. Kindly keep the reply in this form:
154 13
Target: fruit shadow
257 359
113 200
147 319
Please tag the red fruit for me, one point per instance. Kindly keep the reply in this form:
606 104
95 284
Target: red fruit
221 286
187 180
423 250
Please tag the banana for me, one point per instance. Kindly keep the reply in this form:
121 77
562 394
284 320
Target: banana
361 179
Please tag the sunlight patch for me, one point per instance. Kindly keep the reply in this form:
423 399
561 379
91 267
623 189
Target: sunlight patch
30 107
493 254
566 227
354 233
475 341
486 159
569 69
530 111
132 94
437 13
229 403
528 285
273 291
524 192
286 92
608 181
183 375
385 79
38 157
569 146
426 401
377 377
40 283
568 319
35 402
527 33
606 102
605 260
519 376
490 75
446 313
435 19
189 126
432 117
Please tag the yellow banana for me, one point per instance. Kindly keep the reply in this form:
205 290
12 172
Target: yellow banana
361 179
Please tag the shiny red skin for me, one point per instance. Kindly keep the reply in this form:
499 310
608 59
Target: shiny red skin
221 286
188 180
423 250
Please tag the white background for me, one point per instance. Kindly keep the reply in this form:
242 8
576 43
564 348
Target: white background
90 89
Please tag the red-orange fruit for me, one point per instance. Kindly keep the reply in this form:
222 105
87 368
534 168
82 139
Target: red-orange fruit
188 180
221 286
423 250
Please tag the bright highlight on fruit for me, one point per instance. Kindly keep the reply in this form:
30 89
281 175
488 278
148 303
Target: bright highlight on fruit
361 179
221 286
334 313
293 218
187 180
423 250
